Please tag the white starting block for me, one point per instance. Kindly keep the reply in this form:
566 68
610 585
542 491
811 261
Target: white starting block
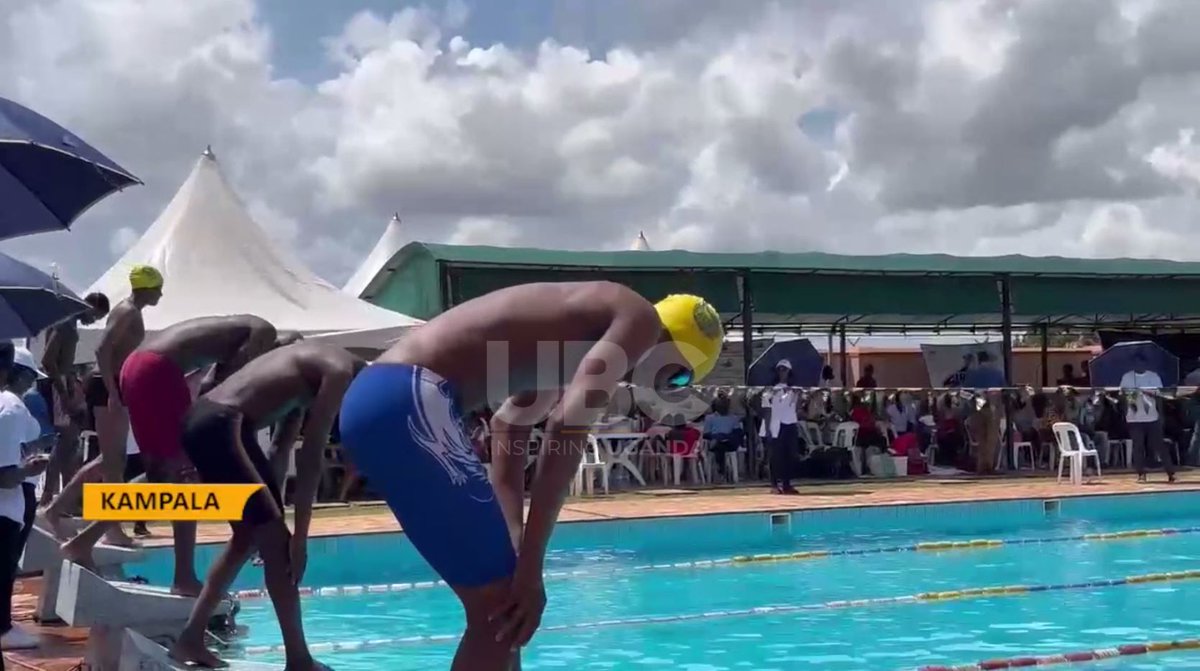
42 553
110 608
139 653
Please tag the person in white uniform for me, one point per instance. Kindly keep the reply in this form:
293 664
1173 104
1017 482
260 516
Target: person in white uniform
24 455
781 428
1142 418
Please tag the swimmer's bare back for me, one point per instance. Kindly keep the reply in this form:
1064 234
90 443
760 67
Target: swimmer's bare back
282 380
455 344
124 332
205 340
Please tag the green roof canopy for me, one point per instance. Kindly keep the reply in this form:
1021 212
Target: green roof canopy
815 290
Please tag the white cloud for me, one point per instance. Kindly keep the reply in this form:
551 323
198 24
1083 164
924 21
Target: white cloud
972 126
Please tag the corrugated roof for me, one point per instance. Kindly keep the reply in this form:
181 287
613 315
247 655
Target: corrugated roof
1016 265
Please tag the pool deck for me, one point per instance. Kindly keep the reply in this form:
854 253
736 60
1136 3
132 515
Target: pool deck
62 647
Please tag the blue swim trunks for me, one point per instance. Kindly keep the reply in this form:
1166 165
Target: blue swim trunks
402 428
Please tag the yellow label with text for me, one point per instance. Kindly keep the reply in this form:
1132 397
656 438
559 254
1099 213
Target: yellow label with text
152 502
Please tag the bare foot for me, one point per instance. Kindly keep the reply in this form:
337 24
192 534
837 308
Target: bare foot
190 588
140 529
75 552
54 523
116 536
187 654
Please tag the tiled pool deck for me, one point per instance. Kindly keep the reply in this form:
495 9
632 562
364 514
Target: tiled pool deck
62 648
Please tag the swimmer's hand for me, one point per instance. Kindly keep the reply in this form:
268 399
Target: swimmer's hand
518 618
299 554
35 465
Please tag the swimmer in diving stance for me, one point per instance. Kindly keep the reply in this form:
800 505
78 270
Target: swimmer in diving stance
401 425
154 390
220 438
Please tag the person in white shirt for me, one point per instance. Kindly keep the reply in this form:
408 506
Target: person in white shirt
781 429
23 458
1142 418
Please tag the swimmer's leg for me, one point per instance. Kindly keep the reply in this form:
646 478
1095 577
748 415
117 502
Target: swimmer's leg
478 649
185 582
190 647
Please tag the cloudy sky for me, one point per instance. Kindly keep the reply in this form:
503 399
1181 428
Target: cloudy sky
861 126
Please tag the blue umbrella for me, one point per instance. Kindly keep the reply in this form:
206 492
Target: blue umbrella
48 177
805 359
31 301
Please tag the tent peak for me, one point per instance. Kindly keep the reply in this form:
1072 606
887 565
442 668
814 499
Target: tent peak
208 153
396 217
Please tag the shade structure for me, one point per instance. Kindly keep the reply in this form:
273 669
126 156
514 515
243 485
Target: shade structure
389 243
31 301
48 176
215 260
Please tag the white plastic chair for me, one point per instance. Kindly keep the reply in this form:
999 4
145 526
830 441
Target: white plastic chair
698 460
592 463
812 435
1072 448
845 436
1017 446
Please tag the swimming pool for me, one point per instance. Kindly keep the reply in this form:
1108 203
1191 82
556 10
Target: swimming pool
667 593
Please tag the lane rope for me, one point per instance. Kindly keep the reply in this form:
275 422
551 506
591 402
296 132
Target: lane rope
927 546
923 597
1127 650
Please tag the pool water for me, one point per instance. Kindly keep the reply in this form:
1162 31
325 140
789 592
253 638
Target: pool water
600 614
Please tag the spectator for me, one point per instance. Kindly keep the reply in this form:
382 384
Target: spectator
1142 417
1068 378
867 381
781 428
1085 375
901 416
21 462
985 375
826 377
723 431
868 430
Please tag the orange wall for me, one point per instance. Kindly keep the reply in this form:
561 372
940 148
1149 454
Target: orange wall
906 367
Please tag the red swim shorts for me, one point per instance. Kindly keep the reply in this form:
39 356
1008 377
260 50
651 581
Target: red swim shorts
157 396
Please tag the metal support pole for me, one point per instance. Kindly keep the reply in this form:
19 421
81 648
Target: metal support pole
1045 329
845 361
747 326
1006 310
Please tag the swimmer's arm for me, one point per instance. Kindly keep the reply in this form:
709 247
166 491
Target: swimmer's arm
282 444
584 399
510 428
50 359
316 438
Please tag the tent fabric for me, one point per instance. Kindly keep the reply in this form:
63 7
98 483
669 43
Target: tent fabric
811 289
215 260
389 243
1107 368
640 243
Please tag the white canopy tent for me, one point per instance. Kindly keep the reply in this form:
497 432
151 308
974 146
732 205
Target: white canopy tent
215 260
640 243
389 243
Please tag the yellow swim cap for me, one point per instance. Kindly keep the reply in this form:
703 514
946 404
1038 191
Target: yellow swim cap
695 327
145 277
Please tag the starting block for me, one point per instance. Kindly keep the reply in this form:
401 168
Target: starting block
42 553
139 653
111 608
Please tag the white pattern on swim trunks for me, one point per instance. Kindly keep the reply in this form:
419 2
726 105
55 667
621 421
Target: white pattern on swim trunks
436 429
